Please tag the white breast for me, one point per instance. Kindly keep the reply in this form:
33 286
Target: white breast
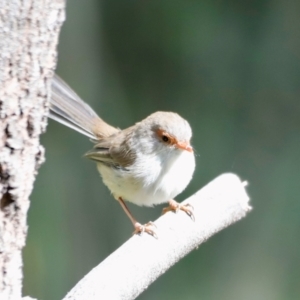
152 180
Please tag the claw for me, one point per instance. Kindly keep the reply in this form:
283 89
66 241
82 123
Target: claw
175 207
140 229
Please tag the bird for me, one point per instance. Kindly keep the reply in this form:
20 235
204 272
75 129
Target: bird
147 164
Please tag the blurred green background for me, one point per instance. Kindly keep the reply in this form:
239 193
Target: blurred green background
232 68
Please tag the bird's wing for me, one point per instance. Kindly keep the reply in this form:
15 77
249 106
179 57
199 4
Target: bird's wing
114 150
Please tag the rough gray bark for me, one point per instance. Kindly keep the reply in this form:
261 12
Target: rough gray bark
28 38
142 259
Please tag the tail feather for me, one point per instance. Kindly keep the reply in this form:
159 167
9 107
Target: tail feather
67 108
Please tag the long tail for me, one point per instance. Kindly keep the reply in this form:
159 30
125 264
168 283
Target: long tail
67 108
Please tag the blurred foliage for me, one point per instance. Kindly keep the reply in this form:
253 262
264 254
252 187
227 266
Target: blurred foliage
232 69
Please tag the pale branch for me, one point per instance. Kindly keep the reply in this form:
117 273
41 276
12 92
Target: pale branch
142 259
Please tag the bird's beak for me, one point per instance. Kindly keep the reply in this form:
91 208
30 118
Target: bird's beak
184 146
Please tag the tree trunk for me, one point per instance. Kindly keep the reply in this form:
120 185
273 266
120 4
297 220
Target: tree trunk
28 38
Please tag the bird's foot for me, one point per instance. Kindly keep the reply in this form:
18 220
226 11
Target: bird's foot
175 207
148 228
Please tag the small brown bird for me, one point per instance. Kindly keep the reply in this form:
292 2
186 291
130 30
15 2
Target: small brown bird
148 163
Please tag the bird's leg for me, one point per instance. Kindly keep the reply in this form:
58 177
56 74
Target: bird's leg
138 227
175 206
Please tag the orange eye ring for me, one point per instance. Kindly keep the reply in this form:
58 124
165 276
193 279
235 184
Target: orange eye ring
170 140
166 137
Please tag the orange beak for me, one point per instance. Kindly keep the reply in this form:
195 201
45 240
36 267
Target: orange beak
184 146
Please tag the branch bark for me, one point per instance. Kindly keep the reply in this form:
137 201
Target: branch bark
142 259
28 38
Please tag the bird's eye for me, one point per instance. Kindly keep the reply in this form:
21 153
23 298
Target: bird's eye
165 138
